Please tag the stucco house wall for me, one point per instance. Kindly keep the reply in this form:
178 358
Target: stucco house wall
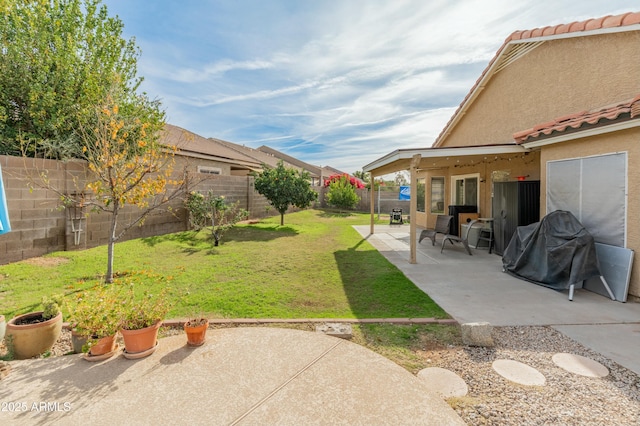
555 78
528 166
623 141
558 77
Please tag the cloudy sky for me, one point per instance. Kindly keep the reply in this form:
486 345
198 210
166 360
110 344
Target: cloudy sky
331 82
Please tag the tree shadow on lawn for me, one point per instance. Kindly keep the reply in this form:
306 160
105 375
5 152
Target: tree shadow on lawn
258 233
204 241
335 214
375 288
186 237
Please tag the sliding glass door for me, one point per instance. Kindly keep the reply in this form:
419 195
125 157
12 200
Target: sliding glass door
465 189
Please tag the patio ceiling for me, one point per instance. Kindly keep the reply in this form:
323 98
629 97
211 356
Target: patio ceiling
431 158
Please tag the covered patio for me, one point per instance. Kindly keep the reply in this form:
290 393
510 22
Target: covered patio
474 289
479 162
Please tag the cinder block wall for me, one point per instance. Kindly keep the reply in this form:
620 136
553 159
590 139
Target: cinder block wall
235 189
40 225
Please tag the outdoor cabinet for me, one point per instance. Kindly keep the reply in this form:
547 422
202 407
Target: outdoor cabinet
455 211
514 204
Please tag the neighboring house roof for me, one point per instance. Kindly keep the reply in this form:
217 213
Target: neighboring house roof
192 145
621 112
259 156
314 171
329 171
521 42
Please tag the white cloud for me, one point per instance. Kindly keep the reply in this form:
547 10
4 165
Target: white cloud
338 83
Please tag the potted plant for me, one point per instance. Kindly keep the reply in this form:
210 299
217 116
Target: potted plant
34 333
95 319
196 330
141 320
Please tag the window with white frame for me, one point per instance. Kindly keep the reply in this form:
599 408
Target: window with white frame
437 194
464 190
420 195
210 170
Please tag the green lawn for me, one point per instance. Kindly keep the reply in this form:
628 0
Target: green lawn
316 266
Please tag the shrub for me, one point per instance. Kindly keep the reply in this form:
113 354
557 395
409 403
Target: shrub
211 210
342 194
353 181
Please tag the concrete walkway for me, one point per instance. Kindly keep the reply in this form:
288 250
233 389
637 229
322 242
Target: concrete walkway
474 289
243 376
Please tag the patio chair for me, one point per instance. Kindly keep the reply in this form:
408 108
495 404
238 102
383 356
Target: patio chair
442 227
464 239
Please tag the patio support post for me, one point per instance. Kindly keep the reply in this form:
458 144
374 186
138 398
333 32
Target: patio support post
372 193
413 206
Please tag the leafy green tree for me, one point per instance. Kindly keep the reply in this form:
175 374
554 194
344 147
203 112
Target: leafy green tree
285 187
58 60
401 179
342 194
69 89
364 177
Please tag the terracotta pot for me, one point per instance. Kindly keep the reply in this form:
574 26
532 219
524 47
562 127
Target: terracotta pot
33 339
140 340
103 346
196 335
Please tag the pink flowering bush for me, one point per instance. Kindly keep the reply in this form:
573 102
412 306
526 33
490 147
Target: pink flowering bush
355 182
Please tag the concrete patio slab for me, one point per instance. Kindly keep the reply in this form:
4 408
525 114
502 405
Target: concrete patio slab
240 376
618 342
474 289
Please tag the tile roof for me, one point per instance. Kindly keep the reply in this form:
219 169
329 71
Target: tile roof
624 110
257 155
606 22
313 170
189 144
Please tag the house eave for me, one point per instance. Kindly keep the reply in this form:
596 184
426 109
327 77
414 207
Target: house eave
595 131
407 154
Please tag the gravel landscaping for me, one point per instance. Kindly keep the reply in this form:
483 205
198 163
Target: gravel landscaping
565 399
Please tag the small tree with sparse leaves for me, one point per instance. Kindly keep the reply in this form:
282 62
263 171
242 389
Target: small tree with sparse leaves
209 209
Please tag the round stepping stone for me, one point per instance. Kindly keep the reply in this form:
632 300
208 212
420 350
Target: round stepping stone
518 372
580 365
444 382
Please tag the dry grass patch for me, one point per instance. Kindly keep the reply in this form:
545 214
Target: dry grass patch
47 261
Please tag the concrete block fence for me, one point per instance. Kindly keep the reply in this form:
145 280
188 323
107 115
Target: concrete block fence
40 225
